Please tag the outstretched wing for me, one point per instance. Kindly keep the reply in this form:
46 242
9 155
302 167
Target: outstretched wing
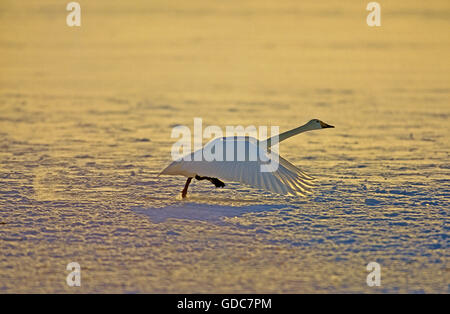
285 178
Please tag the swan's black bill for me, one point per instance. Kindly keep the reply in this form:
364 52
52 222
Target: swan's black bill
324 125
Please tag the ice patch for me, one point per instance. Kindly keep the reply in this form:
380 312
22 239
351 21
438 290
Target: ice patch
202 212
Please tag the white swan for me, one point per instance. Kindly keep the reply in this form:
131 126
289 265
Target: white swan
287 179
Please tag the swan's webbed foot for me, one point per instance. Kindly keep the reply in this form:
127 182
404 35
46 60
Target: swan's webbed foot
215 181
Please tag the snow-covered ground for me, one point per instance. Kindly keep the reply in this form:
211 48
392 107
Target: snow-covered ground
86 117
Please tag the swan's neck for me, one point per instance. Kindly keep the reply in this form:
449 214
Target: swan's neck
285 135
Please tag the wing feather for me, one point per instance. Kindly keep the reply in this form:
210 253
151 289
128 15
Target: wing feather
286 179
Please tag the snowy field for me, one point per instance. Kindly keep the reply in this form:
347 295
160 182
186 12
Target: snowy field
85 121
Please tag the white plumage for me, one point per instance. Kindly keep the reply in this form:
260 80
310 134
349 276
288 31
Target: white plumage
287 179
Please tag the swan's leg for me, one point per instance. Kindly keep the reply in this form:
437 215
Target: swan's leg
215 181
184 192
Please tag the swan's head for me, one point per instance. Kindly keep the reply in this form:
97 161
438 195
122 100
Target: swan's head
316 124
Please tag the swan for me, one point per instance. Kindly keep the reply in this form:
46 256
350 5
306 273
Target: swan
286 179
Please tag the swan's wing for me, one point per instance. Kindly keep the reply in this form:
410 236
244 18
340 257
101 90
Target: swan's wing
286 179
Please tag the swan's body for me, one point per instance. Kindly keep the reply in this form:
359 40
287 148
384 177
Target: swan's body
286 179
